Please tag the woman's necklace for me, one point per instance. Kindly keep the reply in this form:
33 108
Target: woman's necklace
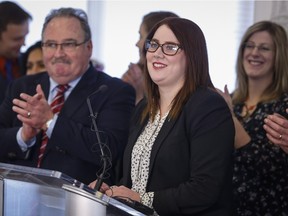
248 110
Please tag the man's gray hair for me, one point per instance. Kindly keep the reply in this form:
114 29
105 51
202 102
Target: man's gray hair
70 12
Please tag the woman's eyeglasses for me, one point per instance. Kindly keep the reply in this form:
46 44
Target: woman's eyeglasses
263 48
169 49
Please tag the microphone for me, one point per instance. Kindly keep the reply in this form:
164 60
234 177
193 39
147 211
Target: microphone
104 157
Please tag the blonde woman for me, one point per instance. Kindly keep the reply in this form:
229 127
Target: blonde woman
259 107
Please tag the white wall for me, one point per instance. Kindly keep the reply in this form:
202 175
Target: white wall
219 20
276 11
262 10
115 25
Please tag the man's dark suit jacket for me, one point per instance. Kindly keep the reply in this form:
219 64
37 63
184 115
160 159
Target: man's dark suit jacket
190 169
17 66
72 148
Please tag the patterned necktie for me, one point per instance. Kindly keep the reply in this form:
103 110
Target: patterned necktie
56 106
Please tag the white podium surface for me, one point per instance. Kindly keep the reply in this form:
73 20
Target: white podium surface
26 191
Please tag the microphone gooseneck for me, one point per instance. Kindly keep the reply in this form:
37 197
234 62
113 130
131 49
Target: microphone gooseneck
104 157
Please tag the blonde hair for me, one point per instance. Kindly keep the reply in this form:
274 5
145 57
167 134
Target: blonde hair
279 84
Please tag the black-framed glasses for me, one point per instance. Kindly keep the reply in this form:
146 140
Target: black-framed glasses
169 49
262 48
68 46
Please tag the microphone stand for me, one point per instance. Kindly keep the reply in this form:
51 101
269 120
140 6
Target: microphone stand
100 178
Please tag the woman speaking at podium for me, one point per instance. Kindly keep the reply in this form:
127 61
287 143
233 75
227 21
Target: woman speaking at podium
178 160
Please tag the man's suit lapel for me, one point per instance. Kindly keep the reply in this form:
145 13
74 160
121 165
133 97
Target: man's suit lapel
75 100
79 94
42 79
45 84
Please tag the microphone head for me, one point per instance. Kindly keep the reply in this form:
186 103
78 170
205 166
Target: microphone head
102 88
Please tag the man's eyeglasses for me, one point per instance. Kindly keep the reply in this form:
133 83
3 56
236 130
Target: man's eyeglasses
68 46
261 48
169 49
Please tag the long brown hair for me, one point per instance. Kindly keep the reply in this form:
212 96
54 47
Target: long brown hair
193 44
280 67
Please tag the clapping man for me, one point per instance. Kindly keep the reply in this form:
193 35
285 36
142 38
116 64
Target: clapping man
30 115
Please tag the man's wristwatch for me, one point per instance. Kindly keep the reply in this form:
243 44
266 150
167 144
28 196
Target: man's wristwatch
47 124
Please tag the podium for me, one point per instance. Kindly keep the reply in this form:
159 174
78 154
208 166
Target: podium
28 191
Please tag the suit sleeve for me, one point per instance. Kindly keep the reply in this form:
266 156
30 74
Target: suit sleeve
9 126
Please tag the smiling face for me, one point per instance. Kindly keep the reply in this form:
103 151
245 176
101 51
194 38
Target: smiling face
35 62
12 39
164 70
62 65
258 56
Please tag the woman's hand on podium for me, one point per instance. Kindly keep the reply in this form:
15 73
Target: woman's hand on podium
123 192
117 191
103 189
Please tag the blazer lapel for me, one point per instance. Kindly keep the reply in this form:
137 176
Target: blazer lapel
163 133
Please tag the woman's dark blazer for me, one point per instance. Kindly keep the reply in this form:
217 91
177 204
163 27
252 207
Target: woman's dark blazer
191 166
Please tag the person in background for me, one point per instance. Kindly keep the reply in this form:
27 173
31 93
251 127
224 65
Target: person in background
259 105
44 119
134 74
14 26
178 159
33 59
